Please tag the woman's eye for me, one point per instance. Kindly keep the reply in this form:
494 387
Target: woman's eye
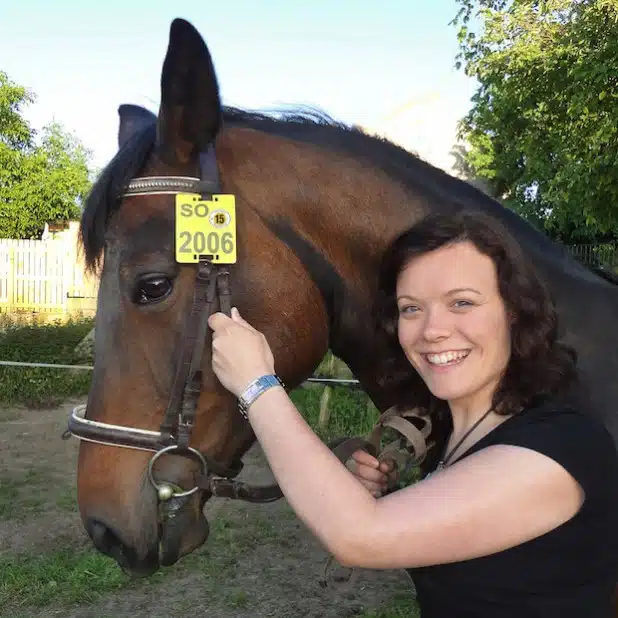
408 309
152 289
463 303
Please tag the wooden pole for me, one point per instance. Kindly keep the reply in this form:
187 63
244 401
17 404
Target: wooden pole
324 410
324 417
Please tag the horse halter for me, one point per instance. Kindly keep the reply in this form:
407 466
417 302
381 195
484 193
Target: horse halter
179 421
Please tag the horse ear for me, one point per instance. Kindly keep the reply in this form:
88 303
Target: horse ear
190 111
132 119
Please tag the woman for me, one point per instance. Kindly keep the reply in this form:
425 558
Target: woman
520 516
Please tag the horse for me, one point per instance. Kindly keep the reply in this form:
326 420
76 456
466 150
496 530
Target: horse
315 204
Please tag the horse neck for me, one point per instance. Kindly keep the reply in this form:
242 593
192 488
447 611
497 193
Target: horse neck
337 214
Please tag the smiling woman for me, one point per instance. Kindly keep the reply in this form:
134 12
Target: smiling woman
457 338
523 478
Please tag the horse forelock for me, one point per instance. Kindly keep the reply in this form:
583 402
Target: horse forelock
105 197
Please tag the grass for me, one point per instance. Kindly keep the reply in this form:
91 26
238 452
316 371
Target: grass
46 343
351 411
66 576
21 496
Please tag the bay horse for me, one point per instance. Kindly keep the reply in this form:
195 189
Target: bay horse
316 204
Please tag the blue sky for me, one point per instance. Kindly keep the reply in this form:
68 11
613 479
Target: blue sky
387 65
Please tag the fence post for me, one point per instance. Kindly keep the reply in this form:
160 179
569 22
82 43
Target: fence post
10 280
324 417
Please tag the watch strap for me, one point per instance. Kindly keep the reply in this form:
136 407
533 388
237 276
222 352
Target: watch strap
255 389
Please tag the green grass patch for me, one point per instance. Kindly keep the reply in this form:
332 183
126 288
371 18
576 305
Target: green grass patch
66 576
21 496
351 412
46 343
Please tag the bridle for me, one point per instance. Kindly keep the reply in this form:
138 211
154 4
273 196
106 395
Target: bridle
174 435
212 283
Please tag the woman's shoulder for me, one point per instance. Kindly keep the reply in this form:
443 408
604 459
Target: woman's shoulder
575 439
556 419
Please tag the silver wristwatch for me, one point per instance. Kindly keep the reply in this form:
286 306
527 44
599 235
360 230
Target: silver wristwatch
255 389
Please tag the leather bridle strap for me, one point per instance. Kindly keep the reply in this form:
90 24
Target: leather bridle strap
179 417
219 281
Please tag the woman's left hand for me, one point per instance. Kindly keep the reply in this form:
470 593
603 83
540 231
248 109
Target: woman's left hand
240 353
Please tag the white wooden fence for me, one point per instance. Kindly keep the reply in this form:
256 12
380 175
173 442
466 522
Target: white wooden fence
44 276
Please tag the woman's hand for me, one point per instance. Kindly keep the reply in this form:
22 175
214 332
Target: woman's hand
374 475
240 353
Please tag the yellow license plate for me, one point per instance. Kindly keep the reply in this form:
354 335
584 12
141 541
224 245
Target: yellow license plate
205 228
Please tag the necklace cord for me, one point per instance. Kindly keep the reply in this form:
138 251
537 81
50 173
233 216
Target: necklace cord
444 461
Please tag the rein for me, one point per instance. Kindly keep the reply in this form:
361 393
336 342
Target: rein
212 284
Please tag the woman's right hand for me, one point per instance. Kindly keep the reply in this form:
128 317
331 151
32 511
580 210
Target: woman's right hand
373 474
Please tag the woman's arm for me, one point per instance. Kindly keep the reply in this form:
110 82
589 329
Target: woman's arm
490 501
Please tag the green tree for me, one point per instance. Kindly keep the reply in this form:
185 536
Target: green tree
542 130
43 177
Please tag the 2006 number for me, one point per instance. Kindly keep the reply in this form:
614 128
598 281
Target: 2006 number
199 243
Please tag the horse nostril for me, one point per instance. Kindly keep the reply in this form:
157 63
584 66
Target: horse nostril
109 543
106 541
102 537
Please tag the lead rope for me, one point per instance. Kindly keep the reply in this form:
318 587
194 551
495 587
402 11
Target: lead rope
407 451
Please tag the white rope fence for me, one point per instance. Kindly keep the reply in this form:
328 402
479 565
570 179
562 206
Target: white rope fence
335 381
50 365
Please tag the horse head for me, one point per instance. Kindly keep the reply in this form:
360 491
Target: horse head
153 386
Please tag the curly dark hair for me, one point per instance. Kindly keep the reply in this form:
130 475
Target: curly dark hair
539 367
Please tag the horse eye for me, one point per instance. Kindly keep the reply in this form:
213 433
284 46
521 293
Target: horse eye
152 289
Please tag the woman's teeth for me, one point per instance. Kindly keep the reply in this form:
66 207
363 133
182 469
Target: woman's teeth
447 358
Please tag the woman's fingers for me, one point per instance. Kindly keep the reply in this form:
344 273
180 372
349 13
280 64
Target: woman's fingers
363 457
370 474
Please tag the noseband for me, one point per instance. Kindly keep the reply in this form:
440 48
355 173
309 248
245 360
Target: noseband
211 282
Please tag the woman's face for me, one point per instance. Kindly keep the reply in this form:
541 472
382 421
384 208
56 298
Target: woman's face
453 324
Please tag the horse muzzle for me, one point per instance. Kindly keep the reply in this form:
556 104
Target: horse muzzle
180 529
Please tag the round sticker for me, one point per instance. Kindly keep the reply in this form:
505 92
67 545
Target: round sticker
219 218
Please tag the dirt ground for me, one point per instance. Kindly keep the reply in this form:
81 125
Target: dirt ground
263 564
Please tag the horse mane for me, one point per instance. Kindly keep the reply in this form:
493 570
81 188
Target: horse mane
305 124
311 125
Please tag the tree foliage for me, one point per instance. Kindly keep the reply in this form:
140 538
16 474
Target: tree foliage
542 130
43 178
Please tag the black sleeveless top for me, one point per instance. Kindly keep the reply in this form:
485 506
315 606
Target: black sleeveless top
569 572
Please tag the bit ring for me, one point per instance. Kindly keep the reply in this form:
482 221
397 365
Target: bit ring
164 493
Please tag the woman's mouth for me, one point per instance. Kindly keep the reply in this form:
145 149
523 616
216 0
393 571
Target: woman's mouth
446 359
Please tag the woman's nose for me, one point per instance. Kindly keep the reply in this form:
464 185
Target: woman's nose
437 325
